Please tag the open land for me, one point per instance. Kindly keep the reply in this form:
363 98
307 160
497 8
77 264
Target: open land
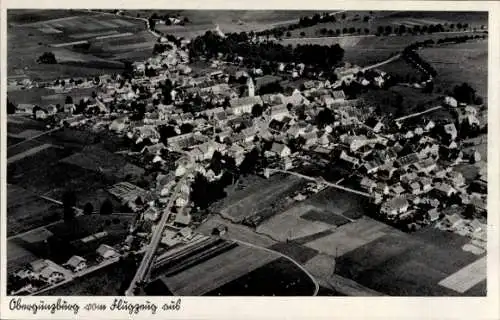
458 63
51 33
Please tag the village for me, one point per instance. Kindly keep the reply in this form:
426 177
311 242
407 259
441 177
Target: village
201 130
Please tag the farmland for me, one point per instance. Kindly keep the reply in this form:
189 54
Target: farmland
458 63
57 31
264 197
218 271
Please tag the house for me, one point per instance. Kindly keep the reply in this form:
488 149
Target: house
182 220
296 99
118 125
51 109
426 165
397 189
444 189
395 206
452 221
280 150
429 126
182 200
76 263
476 226
154 149
414 187
38 265
51 275
244 104
381 188
426 184
378 127
338 95
219 230
367 184
106 252
279 112
310 138
479 204
40 114
451 130
434 214
69 108
456 178
450 101
25 108
349 159
170 237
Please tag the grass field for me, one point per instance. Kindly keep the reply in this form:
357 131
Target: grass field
266 195
326 217
218 271
406 265
56 27
290 225
458 63
354 19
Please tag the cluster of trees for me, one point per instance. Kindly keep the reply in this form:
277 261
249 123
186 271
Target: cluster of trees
69 203
210 45
466 94
11 107
273 87
47 58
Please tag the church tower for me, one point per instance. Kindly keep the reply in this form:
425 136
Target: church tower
250 87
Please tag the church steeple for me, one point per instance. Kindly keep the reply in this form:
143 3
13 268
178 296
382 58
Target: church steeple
250 87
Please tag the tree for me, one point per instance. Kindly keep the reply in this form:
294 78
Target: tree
388 29
106 207
343 16
367 31
250 161
469 211
288 34
366 18
69 202
380 29
11 108
47 58
68 100
88 208
337 32
302 34
352 30
257 110
186 128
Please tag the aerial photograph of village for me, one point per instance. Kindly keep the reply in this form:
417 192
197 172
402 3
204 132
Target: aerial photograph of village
246 153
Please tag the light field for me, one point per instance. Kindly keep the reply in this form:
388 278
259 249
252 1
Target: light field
466 278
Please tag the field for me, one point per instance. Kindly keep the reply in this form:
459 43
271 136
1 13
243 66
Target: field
262 198
387 18
218 271
26 211
290 225
467 277
365 50
458 63
58 31
410 265
277 278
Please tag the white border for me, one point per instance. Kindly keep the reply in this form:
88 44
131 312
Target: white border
295 308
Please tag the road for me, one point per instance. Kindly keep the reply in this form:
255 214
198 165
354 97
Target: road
321 180
33 138
416 114
379 64
147 259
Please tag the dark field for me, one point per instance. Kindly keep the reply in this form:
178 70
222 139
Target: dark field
403 265
278 278
297 252
326 217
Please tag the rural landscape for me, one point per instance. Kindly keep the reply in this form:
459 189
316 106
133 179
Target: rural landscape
246 153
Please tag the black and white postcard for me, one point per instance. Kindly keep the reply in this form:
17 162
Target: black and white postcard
153 154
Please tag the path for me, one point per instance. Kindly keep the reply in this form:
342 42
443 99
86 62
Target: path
321 180
33 138
379 64
416 114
